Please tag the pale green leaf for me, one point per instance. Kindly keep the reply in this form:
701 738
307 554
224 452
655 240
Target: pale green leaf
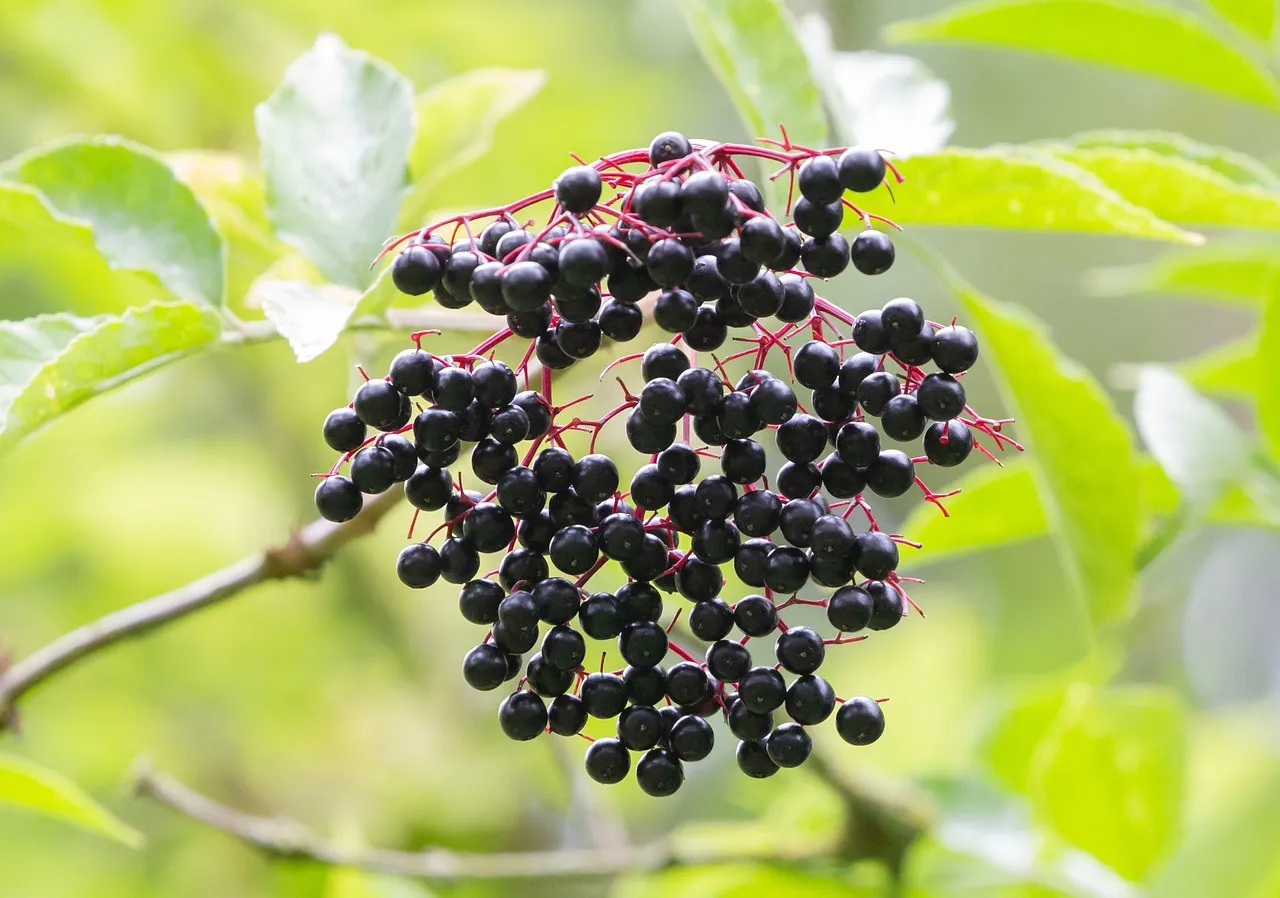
1268 388
739 880
1228 370
309 316
996 507
33 788
1109 776
51 363
1227 271
1177 189
753 48
457 119
1086 473
1257 18
1022 188
1137 35
1232 164
1166 409
335 136
141 216
231 188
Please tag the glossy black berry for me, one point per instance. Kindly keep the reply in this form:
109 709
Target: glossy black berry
546 679
841 479
800 650
418 565
861 170
751 562
789 745
691 738
819 180
485 667
640 727
668 147
687 684
343 430
869 333
941 397
810 700
704 192
860 721
574 550
802 439
459 559
891 474
522 716
825 257
774 402
786 569
903 419
877 554
604 694
761 239
728 661
699 580
659 772
816 364
578 189
338 499
523 565
887 605
753 759
831 537
595 477
818 219
479 600
797 296
608 761
373 469
797 520
872 252
678 463
651 563
948 444
849 609
757 513
747 724
955 349
755 616
710 620
858 443
601 616
639 602
415 271
796 481
381 406
567 715
643 643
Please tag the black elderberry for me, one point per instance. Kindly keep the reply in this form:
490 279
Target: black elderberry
557 601
872 252
861 170
373 469
577 341
797 294
825 257
578 308
711 620
800 650
830 404
876 390
818 220
796 481
535 531
762 690
485 667
903 419
810 700
789 745
659 772
519 492
662 402
887 605
380 405
439 458
858 443
716 541
761 239
520 566
831 537
786 569
651 563
645 686
601 616
675 311
343 430
816 364
595 477
755 616
704 281
604 694
663 360
478 600
490 459
669 262
891 474
608 761
797 519
955 349
829 572
715 496
902 317
639 602
914 349
658 203
869 333
640 727
753 759
546 679
509 425
709 331
522 716
761 296
941 397
751 562
728 661
563 648
802 439
459 502
456 277
578 189
691 738
841 479
956 447
648 436
486 288
757 513
554 469
688 684
699 580
519 611
573 550
877 554
849 609
567 715
667 147
549 352
415 271
737 417
642 643
338 499
704 192
510 242
678 463
860 721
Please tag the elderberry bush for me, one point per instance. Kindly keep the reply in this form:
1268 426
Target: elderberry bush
867 400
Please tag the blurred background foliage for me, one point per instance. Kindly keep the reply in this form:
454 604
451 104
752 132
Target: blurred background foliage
1074 724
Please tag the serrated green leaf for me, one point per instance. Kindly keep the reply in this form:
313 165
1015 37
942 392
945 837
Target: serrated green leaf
1109 777
1225 271
231 188
51 363
1023 188
1173 44
141 216
1256 18
1166 409
1268 388
754 50
1177 189
335 136
996 507
1079 448
33 788
1232 164
457 118
1227 370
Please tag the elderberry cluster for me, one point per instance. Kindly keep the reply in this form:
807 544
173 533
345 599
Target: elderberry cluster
690 228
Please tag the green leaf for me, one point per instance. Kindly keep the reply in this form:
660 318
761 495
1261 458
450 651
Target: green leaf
1227 370
1268 388
1079 449
740 880
1256 18
1166 409
312 316
51 363
1109 776
996 507
1137 35
1232 164
457 118
1177 189
335 136
141 216
752 47
33 788
1226 271
1019 187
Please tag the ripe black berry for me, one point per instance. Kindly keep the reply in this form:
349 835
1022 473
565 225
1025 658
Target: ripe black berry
604 694
338 499
675 311
955 349
818 219
841 479
373 469
691 738
762 689
751 562
886 605
849 609
418 565
639 602
757 513
797 520
608 761
876 390
902 418
381 406
861 170
810 700
659 772
762 240
825 257
567 715
728 661
869 333
522 715
578 189
699 580
956 448
343 430
819 180
796 481
797 295
640 727
546 679
891 474
521 566
800 650
789 745
485 667
754 760
858 443
678 463
709 331
643 643
755 616
601 616
563 648
710 620
786 569
860 721
816 364
831 537
773 402
668 147
872 252
941 397
573 549
802 439
415 271
704 192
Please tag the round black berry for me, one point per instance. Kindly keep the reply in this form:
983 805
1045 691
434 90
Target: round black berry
643 643
338 499
601 616
691 738
860 721
485 667
891 474
755 616
955 349
861 170
711 620
849 609
800 650
887 605
810 700
522 715
567 715
754 760
789 745
659 772
948 444
608 761
418 565
762 689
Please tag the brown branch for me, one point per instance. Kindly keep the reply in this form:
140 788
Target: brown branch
284 837
307 549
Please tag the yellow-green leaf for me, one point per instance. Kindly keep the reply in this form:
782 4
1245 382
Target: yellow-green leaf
1228 370
1268 388
51 363
1079 448
33 788
1022 188
1138 35
457 118
1239 167
1256 18
1223 271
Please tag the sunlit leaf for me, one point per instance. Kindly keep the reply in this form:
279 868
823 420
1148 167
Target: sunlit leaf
1173 44
739 880
312 316
1268 388
753 48
1223 271
1227 370
457 118
1021 188
1232 164
1079 448
33 788
141 216
1109 776
1256 18
51 363
335 136
996 507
